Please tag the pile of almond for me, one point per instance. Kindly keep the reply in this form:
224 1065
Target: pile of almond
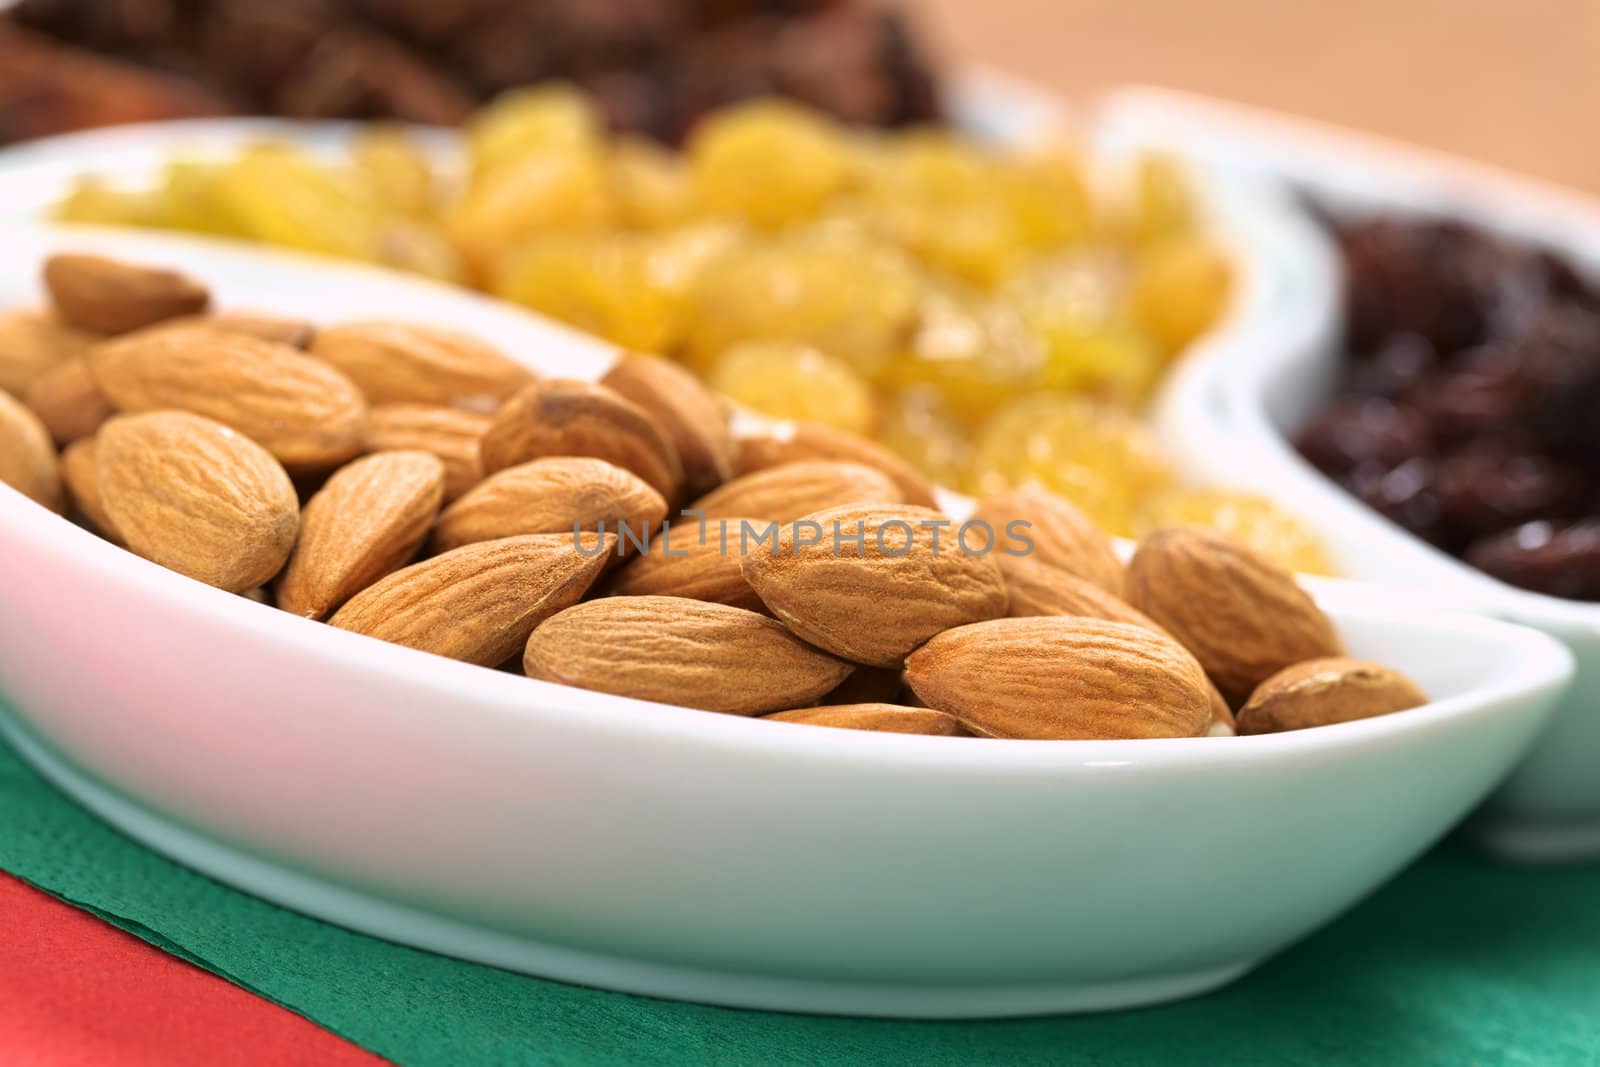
416 485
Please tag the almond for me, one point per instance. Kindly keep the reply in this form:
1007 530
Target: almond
684 652
80 472
787 492
553 495
562 417
478 603
196 497
882 718
1222 720
1320 692
787 443
1037 588
1063 678
303 411
1060 534
32 342
693 418
397 363
368 520
875 582
27 458
680 563
109 296
449 433
869 685
68 401
296 333
1243 617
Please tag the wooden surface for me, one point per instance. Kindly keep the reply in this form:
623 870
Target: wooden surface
1512 82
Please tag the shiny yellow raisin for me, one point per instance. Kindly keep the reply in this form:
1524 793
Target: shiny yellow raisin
94 200
1179 290
535 194
788 380
396 169
552 118
918 423
1253 520
769 162
652 186
284 196
1163 205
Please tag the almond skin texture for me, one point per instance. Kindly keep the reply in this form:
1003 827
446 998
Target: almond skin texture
367 521
296 333
1243 618
815 440
27 458
1037 588
301 410
81 473
881 718
480 602
1062 678
692 416
449 433
876 602
685 652
1061 534
108 296
396 363
562 417
698 570
196 497
68 401
32 342
791 490
552 496
1320 692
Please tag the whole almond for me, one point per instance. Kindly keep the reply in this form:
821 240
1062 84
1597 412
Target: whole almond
1320 692
27 458
562 417
80 471
196 497
366 521
1059 532
788 491
553 495
68 401
300 409
1243 617
478 603
395 363
685 652
877 581
32 342
296 333
679 562
693 417
787 443
449 433
1039 588
1063 678
881 718
109 296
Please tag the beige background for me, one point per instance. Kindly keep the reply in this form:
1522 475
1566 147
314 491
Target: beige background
1513 82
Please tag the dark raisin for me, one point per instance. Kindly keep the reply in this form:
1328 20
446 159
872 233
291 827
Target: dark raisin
1364 431
1404 495
1560 560
1489 487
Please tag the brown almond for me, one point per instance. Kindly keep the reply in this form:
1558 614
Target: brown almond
405 363
81 473
563 417
680 563
1058 532
478 603
367 521
869 685
790 442
881 718
34 341
68 401
1242 616
196 497
1321 692
685 652
27 458
109 296
875 582
1038 588
1063 677
296 333
307 414
693 417
791 490
553 495
449 433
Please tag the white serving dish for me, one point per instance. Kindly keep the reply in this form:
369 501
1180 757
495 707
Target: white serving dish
684 854
1249 396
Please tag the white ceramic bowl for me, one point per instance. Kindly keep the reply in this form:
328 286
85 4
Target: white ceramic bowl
690 855
1247 400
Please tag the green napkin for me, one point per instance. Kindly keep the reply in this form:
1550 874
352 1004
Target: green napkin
1458 962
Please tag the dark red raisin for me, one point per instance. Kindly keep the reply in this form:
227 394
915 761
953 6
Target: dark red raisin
1560 560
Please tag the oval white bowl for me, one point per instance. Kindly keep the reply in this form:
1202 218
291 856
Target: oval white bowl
684 854
1250 396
